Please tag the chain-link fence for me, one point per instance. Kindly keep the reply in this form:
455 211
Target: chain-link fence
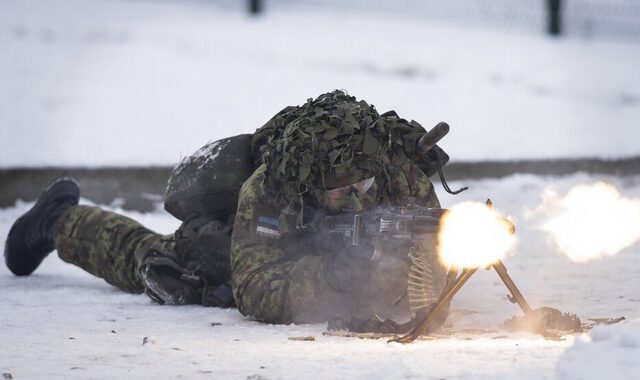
584 18
603 18
521 14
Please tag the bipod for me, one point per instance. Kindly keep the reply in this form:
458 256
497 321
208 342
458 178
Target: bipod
453 288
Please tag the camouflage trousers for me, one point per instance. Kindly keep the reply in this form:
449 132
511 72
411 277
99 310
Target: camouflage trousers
104 243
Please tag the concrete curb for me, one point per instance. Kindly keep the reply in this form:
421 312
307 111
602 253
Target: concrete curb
141 188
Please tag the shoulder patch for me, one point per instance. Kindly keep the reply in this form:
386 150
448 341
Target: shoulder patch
268 227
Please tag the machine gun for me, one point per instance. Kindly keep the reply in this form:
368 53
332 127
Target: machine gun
383 231
402 224
417 223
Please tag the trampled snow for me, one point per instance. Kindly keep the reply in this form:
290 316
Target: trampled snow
94 83
63 323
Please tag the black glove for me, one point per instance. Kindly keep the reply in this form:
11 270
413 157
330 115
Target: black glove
349 268
165 281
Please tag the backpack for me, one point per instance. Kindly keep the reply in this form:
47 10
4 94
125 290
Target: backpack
202 192
208 182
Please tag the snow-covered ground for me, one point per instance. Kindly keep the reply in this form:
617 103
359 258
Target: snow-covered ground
115 82
63 323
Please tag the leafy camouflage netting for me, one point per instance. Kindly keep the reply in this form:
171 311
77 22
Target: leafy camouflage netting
327 142
332 141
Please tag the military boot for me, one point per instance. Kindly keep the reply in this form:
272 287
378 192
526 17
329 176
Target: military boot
32 236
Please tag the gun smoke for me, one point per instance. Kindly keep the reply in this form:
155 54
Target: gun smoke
590 222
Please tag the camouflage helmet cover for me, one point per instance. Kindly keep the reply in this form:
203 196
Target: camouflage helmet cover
329 142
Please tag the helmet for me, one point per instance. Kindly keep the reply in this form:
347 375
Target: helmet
334 141
324 144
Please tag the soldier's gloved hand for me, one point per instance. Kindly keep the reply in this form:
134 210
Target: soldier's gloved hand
165 281
348 268
374 251
365 250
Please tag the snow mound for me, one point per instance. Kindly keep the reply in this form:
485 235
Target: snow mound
606 352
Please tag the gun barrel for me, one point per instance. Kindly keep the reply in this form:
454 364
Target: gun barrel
431 138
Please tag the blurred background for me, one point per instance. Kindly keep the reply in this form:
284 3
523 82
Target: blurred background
118 91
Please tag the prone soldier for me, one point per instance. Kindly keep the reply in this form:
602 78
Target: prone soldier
331 155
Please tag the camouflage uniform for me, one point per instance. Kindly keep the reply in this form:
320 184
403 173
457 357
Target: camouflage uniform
104 244
284 277
113 247
280 272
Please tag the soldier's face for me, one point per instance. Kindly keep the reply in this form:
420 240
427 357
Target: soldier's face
354 196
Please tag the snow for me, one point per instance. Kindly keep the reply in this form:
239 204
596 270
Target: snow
101 83
605 352
63 323
206 152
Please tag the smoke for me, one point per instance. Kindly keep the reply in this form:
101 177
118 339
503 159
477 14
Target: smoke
473 235
590 221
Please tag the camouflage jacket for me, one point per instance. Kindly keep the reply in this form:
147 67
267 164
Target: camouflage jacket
281 275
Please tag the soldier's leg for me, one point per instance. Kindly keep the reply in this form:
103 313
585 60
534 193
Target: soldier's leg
104 244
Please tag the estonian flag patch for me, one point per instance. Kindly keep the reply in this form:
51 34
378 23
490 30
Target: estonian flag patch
268 227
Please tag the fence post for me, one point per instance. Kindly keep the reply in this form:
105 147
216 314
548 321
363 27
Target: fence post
554 17
255 7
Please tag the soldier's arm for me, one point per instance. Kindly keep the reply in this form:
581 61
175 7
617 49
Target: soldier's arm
272 285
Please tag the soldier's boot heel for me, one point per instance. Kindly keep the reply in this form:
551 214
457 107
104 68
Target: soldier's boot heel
32 236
